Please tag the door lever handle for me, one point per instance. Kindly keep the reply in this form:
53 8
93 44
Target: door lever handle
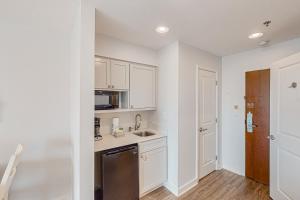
254 126
202 129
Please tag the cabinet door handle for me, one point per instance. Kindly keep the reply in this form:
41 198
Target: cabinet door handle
108 86
131 106
112 86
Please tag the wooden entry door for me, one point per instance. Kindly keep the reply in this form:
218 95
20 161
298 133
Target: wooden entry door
257 118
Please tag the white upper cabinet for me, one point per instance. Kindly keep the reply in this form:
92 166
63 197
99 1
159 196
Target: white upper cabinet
119 75
137 80
102 73
142 86
111 74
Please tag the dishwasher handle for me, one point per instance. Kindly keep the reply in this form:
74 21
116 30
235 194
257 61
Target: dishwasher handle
121 150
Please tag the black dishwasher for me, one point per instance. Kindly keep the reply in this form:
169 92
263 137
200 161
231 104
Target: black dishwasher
117 174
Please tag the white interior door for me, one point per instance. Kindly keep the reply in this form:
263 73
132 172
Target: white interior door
206 122
285 129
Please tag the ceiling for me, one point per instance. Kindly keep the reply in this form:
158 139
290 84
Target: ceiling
217 26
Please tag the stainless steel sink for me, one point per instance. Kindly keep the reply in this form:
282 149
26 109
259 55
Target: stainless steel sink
143 133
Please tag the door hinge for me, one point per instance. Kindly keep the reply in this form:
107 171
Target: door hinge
216 82
216 120
216 157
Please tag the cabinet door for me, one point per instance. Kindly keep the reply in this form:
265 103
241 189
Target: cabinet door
153 169
102 73
142 86
119 75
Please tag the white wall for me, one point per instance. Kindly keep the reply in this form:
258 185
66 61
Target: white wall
34 95
82 99
165 119
233 75
114 48
189 58
177 109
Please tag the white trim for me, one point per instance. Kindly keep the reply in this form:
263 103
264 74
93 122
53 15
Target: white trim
188 186
172 188
120 110
183 189
235 171
219 166
128 61
275 67
290 60
197 124
197 117
151 190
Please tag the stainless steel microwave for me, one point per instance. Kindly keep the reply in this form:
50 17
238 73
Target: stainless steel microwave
105 100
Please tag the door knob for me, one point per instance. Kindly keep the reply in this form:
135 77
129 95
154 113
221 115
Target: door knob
202 129
271 137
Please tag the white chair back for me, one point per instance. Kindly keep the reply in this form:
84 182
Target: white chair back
10 173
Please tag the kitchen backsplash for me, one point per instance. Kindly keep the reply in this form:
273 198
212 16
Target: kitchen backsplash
127 119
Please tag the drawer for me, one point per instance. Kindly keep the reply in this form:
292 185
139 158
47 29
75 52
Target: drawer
152 144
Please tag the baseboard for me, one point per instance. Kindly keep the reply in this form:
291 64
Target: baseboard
234 171
219 166
183 189
172 188
188 186
149 191
191 184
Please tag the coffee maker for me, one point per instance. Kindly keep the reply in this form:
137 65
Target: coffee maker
97 129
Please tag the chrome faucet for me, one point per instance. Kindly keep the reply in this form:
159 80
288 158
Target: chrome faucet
138 121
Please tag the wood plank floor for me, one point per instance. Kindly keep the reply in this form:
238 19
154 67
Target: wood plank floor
219 185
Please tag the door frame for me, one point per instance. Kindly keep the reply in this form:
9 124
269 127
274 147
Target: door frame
282 63
197 117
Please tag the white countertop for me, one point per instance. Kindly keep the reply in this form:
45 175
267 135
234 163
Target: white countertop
109 141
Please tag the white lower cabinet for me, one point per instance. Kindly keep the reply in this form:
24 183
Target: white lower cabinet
152 165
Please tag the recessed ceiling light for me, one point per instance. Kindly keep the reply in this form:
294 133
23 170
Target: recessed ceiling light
162 29
255 35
